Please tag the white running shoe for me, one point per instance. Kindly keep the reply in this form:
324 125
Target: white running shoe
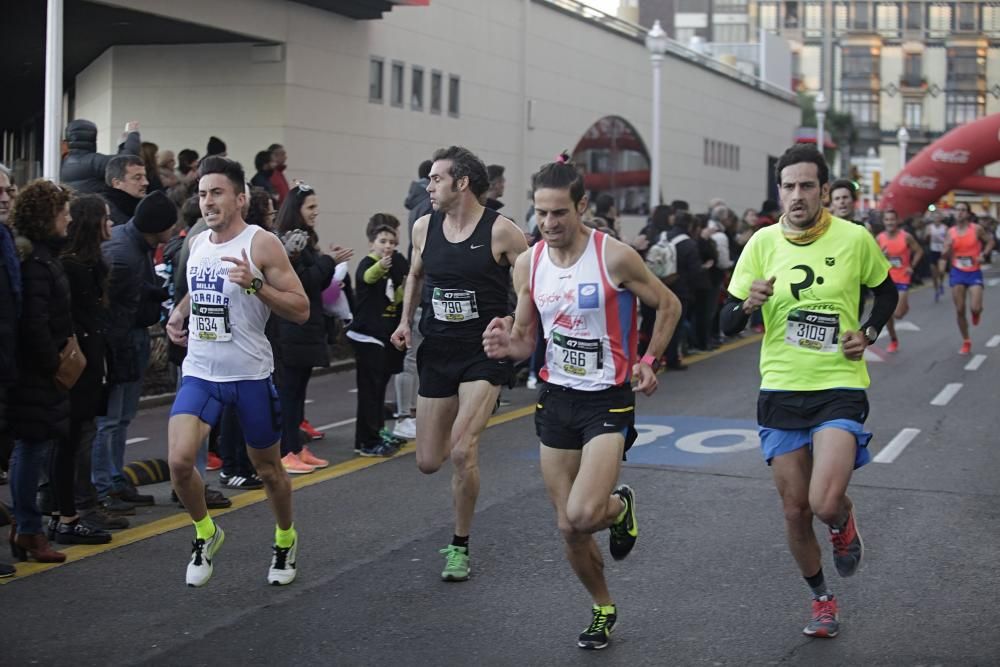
199 570
282 570
405 428
532 382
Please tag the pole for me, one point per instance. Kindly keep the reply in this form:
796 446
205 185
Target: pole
654 167
902 155
53 90
820 133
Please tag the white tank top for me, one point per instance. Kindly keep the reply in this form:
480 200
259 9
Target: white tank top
226 340
938 234
589 322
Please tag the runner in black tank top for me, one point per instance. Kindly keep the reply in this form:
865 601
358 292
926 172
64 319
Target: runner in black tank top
464 286
460 274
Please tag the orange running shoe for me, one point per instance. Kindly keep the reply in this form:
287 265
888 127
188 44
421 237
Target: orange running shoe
893 346
825 620
966 347
311 459
213 462
308 429
294 465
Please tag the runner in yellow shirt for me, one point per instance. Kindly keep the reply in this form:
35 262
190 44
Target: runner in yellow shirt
804 274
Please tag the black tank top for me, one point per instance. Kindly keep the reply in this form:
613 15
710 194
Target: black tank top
464 287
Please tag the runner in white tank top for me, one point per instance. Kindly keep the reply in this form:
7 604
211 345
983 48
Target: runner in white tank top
583 284
236 276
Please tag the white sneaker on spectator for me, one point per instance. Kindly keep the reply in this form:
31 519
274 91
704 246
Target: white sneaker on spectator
282 570
199 570
405 428
532 382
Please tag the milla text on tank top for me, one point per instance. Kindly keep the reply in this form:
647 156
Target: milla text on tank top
897 251
588 321
965 248
226 340
464 286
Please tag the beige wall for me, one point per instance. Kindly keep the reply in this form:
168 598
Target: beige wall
936 71
891 69
361 156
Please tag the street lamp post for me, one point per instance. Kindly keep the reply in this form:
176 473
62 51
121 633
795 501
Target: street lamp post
821 106
656 44
903 137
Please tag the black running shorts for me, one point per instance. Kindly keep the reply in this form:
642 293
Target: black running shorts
445 363
570 418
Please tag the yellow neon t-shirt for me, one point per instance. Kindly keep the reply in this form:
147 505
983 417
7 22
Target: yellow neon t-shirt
815 301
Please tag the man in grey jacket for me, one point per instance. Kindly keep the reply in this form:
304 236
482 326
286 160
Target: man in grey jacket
83 167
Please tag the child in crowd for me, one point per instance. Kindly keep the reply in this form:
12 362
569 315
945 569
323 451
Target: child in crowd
378 307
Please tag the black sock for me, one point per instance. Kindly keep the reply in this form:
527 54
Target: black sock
817 584
460 541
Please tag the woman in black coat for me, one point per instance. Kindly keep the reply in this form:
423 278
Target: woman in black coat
39 409
88 277
302 347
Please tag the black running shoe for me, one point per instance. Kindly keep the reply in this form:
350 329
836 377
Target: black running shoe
79 532
101 520
598 634
624 533
240 482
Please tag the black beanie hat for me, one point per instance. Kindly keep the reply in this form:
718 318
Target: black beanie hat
155 213
216 146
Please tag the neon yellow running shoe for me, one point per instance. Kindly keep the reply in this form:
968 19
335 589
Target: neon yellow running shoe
456 566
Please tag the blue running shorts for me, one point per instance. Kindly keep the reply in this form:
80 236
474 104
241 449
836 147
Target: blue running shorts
775 441
967 278
256 403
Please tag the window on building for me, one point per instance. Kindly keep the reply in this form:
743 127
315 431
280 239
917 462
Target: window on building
453 93
814 19
961 108
840 16
913 69
792 14
861 18
887 18
939 20
914 16
730 33
965 65
862 105
913 114
991 18
396 84
375 92
768 15
967 16
858 62
436 85
417 89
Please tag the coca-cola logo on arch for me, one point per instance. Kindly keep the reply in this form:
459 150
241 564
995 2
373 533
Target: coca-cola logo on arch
956 156
919 182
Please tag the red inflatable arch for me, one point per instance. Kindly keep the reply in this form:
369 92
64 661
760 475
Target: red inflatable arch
949 163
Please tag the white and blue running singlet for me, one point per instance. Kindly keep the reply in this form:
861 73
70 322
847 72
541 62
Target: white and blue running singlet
226 340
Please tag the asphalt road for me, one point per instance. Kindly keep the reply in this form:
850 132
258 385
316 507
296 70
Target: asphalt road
711 581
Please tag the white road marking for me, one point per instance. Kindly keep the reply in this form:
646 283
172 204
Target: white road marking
135 441
896 445
994 342
976 362
993 282
901 325
352 391
947 393
308 401
872 355
345 422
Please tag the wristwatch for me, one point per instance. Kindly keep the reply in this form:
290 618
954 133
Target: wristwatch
651 361
255 286
871 335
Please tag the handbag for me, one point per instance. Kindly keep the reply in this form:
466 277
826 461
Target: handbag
71 364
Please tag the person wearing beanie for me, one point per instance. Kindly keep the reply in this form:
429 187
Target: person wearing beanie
83 167
216 146
135 296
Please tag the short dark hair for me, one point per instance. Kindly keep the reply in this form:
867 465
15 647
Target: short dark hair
231 169
680 205
190 211
603 203
888 211
424 170
381 222
465 164
261 160
274 147
494 172
842 183
118 166
660 218
560 176
186 159
800 153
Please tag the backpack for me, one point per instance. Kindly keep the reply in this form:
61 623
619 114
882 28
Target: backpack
661 258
